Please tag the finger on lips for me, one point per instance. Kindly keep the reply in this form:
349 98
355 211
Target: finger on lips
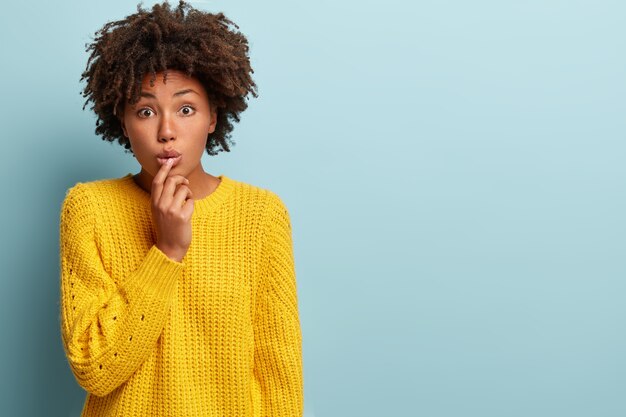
160 180
160 175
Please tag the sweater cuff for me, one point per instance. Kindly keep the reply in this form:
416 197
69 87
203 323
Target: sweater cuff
157 275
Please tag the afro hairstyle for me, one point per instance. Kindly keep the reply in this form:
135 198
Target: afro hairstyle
200 44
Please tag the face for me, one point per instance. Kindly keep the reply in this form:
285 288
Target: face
172 116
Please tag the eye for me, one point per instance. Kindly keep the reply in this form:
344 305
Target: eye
189 110
141 113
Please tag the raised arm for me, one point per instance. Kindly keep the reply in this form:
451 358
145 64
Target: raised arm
108 329
278 377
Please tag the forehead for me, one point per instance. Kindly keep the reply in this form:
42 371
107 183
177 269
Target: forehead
175 79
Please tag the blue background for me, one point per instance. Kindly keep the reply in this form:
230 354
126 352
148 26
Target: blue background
454 172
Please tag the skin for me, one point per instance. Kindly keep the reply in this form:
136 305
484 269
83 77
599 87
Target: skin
171 122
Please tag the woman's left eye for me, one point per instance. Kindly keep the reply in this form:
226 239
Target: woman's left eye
189 111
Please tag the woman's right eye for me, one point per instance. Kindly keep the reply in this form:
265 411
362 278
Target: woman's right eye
141 113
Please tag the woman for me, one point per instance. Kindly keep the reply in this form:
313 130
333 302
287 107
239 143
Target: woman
178 288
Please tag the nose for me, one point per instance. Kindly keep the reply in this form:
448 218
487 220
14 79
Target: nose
166 129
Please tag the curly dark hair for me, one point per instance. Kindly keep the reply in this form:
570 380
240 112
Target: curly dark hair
200 44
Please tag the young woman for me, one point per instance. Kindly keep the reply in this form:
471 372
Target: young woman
178 288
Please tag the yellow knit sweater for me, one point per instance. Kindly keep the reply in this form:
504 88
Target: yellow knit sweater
217 334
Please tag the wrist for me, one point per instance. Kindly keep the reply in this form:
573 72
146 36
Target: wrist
172 253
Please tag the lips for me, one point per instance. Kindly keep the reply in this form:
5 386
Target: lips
168 154
164 156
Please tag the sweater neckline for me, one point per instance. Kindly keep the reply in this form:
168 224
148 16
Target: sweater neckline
201 206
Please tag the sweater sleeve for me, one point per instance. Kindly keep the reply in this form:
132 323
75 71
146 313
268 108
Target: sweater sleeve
278 378
108 328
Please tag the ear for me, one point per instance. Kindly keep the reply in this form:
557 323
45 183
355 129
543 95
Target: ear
213 117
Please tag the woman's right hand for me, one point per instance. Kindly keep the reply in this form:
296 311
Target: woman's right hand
171 212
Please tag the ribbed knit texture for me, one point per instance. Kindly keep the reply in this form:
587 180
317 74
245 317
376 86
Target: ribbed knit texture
217 334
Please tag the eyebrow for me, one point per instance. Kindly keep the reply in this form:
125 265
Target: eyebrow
180 93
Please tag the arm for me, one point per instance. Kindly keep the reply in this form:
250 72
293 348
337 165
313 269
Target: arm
278 379
108 330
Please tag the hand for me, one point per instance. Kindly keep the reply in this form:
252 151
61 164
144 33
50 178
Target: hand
171 211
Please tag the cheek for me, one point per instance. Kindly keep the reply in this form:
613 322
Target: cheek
142 152
131 131
136 136
147 160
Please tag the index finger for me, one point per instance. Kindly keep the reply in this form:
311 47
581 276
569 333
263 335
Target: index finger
159 179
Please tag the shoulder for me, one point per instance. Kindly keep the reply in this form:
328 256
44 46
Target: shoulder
262 197
101 189
86 196
267 204
103 185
